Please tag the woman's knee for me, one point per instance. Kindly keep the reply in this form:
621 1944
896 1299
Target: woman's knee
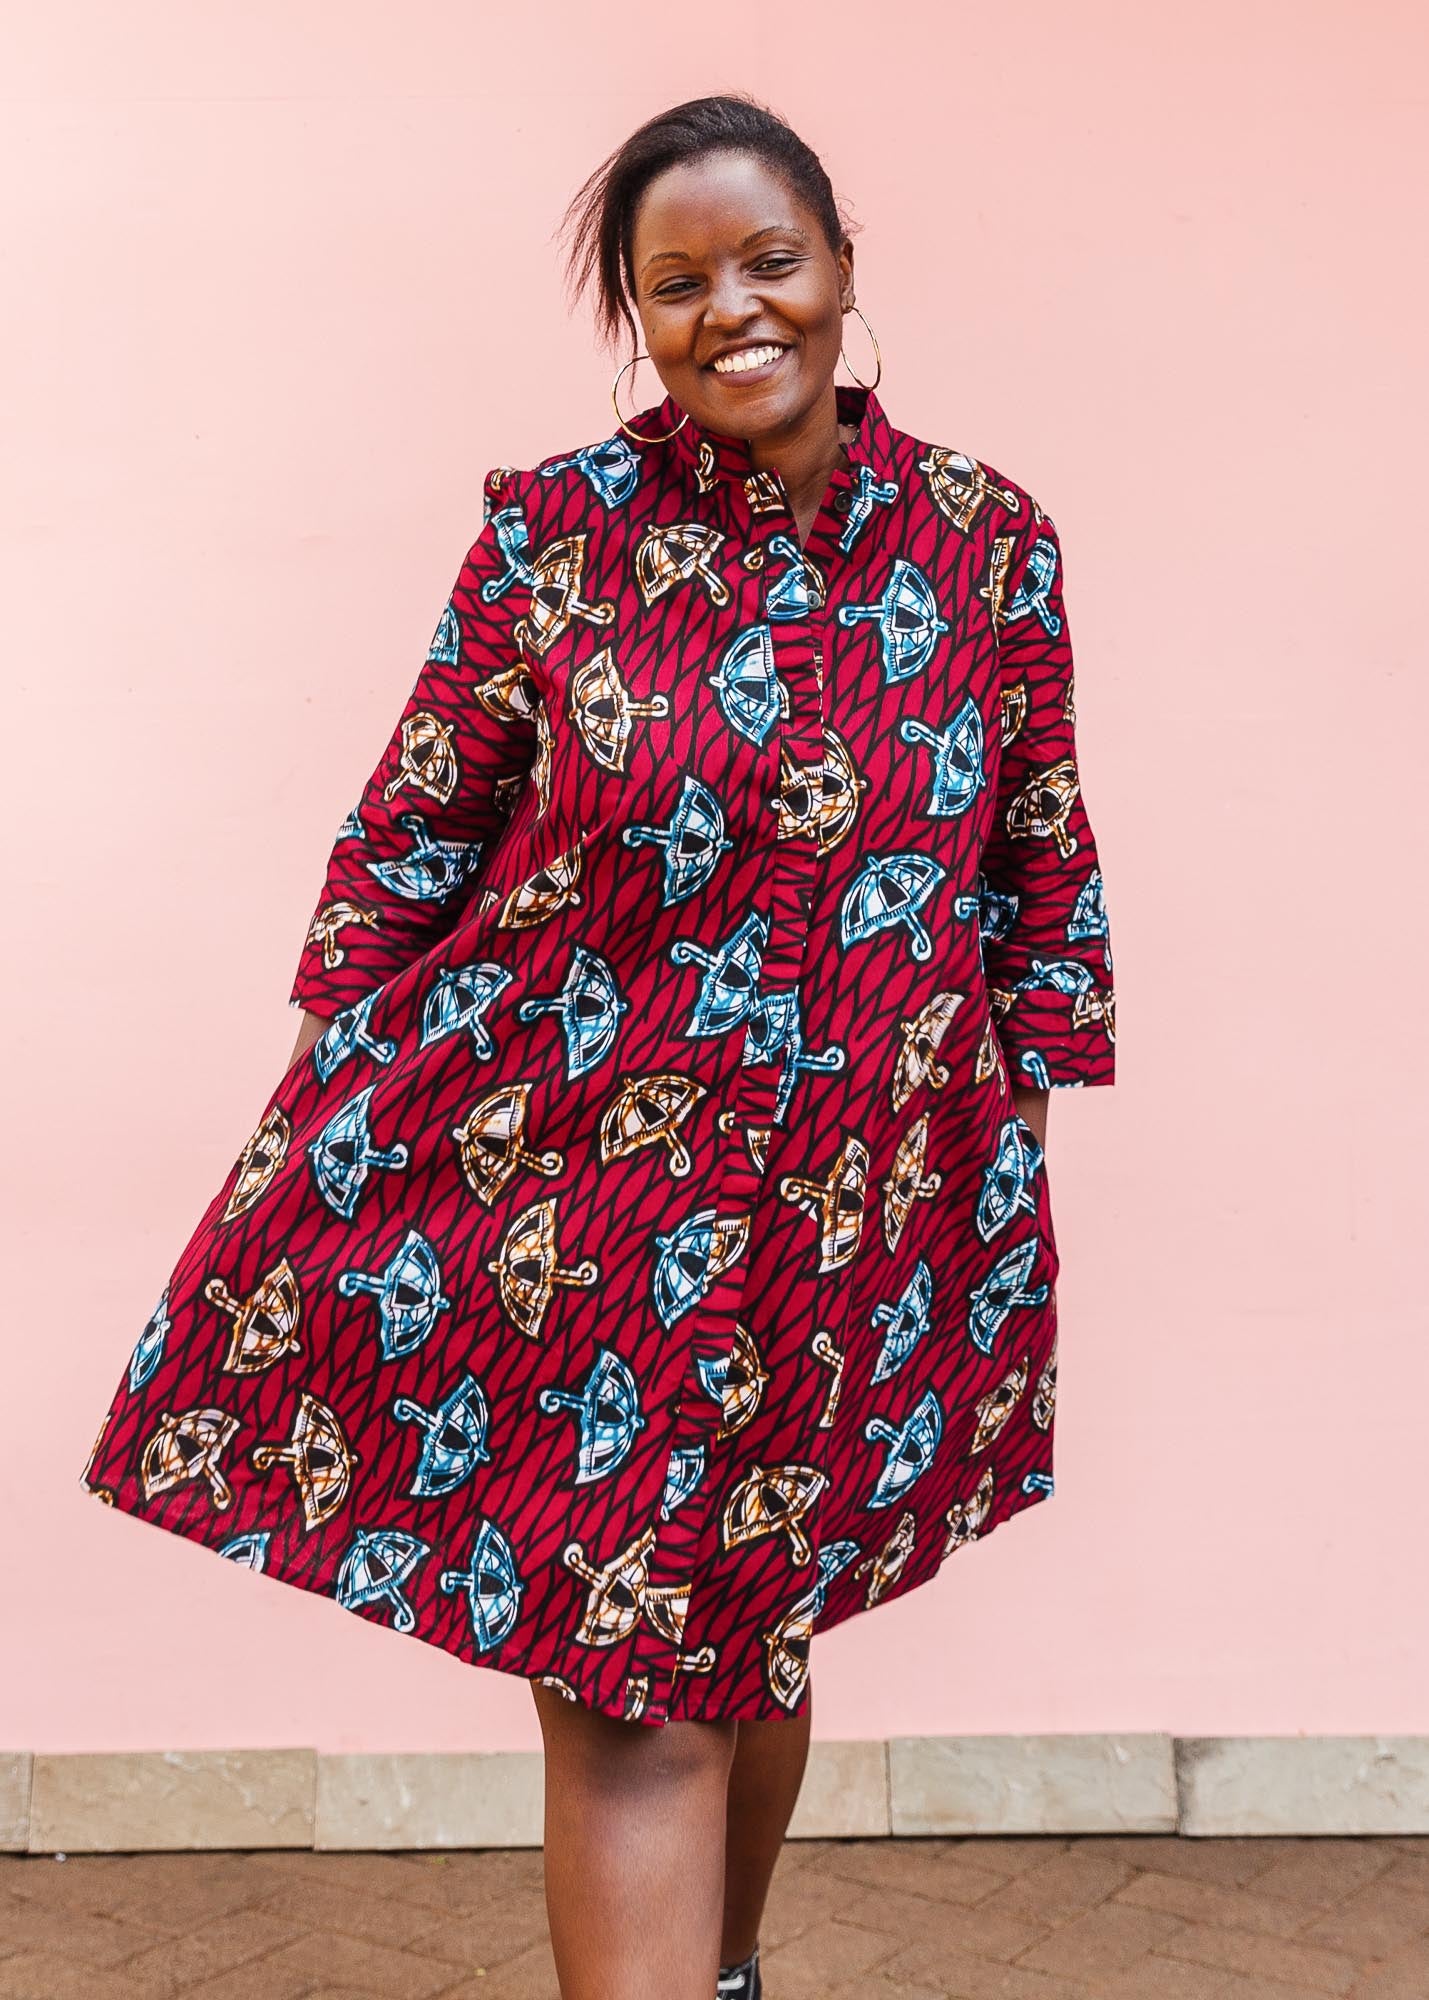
599 1750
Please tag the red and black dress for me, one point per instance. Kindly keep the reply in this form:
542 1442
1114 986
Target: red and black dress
648 1268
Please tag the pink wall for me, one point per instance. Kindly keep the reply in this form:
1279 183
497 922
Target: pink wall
279 288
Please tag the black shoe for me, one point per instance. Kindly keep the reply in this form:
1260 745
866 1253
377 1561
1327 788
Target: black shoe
742 1981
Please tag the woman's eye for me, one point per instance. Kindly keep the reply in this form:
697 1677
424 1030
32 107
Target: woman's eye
777 264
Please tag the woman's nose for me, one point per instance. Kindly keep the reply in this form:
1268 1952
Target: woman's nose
730 302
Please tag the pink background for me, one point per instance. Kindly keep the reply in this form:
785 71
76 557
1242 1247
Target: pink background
279 288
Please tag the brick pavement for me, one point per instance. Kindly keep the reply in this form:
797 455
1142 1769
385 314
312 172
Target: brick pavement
1139 1918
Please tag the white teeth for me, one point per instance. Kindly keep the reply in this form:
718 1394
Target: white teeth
747 358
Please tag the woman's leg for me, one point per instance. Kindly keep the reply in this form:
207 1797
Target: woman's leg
634 1851
764 1781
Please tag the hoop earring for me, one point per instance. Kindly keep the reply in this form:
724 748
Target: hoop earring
878 358
634 362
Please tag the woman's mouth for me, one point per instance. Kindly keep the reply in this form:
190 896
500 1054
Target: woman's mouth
749 364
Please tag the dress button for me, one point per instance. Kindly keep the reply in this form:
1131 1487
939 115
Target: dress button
841 500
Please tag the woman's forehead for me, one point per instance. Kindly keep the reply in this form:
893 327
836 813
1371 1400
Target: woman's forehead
725 198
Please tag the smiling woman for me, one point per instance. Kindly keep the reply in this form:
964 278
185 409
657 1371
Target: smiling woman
647 1263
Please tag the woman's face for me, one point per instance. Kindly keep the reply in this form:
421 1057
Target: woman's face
739 295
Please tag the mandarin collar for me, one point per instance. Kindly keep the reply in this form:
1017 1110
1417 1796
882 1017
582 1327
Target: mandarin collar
709 456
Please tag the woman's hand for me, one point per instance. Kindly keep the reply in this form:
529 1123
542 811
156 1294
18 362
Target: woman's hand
1031 1104
313 1027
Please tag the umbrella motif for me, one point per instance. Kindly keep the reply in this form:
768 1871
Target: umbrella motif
646 1112
819 801
459 999
890 889
751 696
428 759
265 1326
446 640
729 991
776 1035
513 538
432 869
149 1348
343 1154
693 841
608 1415
492 1584
319 1456
489 1142
773 1500
1041 807
994 1409
604 710
1034 593
675 552
786 1665
958 774
912 1445
455 1437
555 579
801 588
967 1518
835 1204
249 1551
527 1269
907 619
907 1182
682 1476
917 1062
869 492
186 1447
1002 1290
884 1569
960 487
1007 1181
1089 917
374 1569
617 1589
1044 1397
692 1257
408 1294
904 1322
348 1032
589 1006
612 468
331 919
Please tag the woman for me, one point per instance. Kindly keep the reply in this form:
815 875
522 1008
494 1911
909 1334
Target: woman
647 1261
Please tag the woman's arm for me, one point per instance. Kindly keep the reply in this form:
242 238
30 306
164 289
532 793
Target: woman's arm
405 858
313 1027
1049 963
1031 1105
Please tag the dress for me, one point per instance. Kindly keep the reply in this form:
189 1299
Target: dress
648 1268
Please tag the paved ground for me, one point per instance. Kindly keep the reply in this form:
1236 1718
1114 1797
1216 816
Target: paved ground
1047 1919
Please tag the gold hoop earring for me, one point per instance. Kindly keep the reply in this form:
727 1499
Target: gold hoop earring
878 358
634 362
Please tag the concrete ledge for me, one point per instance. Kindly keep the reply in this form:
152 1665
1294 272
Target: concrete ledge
1303 1784
15 1767
130 1802
1032 1784
844 1795
480 1799
1056 1784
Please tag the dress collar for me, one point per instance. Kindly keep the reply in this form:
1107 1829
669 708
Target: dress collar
711 455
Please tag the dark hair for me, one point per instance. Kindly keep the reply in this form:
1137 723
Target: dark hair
600 220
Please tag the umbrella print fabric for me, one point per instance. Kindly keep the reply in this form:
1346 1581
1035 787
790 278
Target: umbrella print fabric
648 1269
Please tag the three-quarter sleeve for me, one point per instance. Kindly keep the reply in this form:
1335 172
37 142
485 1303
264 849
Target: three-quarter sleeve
406 856
1045 936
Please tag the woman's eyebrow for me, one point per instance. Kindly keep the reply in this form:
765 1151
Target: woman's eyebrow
745 243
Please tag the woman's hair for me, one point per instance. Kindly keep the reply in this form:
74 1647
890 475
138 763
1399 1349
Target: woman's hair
600 221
